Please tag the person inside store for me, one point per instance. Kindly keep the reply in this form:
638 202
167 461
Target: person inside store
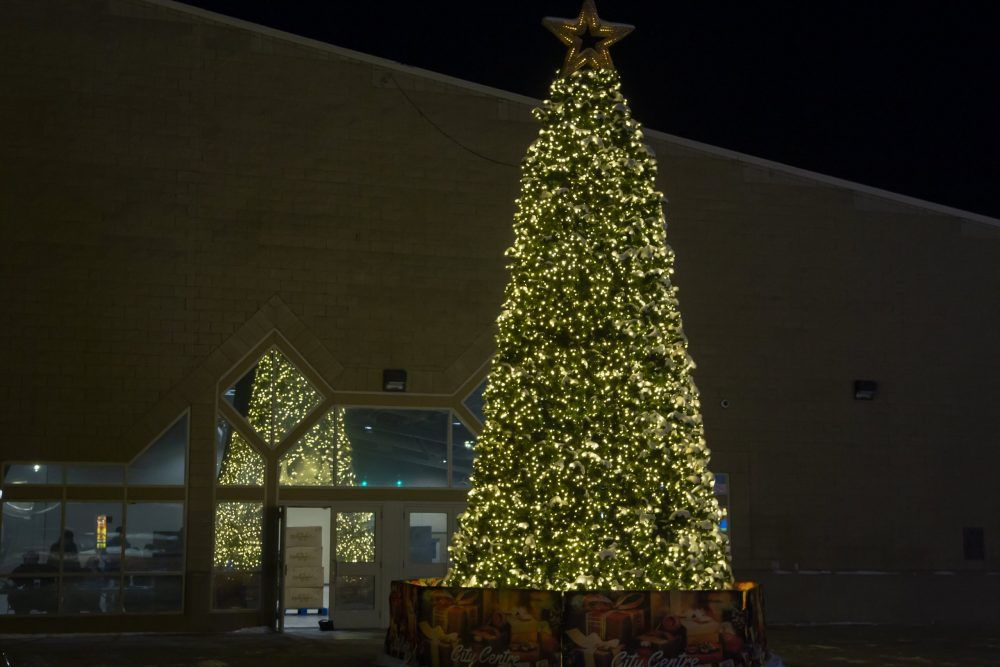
69 554
32 586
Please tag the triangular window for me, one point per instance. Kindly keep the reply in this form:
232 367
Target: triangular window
237 462
273 396
163 462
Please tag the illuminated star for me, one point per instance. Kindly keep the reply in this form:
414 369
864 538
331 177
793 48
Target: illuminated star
588 38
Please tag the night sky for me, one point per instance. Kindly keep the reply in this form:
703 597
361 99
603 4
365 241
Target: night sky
896 94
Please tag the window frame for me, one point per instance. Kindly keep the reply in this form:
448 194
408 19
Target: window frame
125 494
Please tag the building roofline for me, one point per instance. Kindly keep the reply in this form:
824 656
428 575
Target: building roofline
358 56
826 179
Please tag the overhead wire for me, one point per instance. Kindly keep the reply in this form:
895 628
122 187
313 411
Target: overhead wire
441 130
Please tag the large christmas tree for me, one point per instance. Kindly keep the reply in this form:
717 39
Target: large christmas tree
592 467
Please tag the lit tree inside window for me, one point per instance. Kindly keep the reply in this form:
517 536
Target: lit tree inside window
280 397
323 457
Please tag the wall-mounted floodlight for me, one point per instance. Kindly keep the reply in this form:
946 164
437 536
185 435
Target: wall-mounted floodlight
865 390
393 379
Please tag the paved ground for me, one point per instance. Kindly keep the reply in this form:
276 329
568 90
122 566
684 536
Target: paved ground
879 646
838 646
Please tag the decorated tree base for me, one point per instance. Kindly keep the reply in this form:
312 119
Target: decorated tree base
438 626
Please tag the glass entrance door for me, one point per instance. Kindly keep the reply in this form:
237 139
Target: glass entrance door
356 563
427 532
304 566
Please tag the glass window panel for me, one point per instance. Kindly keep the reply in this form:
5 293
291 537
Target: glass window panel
235 590
92 537
29 594
238 529
428 537
273 396
722 495
474 402
110 474
397 448
29 541
148 595
721 484
311 462
355 537
354 592
237 557
94 594
154 537
32 473
164 461
463 444
237 462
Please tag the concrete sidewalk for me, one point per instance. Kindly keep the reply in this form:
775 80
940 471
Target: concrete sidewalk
836 646
881 646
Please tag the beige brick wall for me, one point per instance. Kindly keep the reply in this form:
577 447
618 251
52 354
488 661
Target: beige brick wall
167 179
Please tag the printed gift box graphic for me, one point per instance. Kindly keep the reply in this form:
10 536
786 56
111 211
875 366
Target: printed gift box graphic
707 627
703 635
527 622
488 637
621 618
592 651
503 628
657 645
456 613
523 626
525 654
439 645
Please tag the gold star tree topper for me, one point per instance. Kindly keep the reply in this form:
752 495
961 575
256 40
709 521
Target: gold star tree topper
588 38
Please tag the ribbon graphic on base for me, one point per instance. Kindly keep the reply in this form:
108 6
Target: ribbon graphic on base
437 637
590 644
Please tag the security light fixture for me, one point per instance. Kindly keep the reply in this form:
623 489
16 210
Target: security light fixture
865 390
393 379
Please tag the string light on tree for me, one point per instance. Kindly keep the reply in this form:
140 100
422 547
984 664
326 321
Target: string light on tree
324 457
592 467
241 464
237 545
238 535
